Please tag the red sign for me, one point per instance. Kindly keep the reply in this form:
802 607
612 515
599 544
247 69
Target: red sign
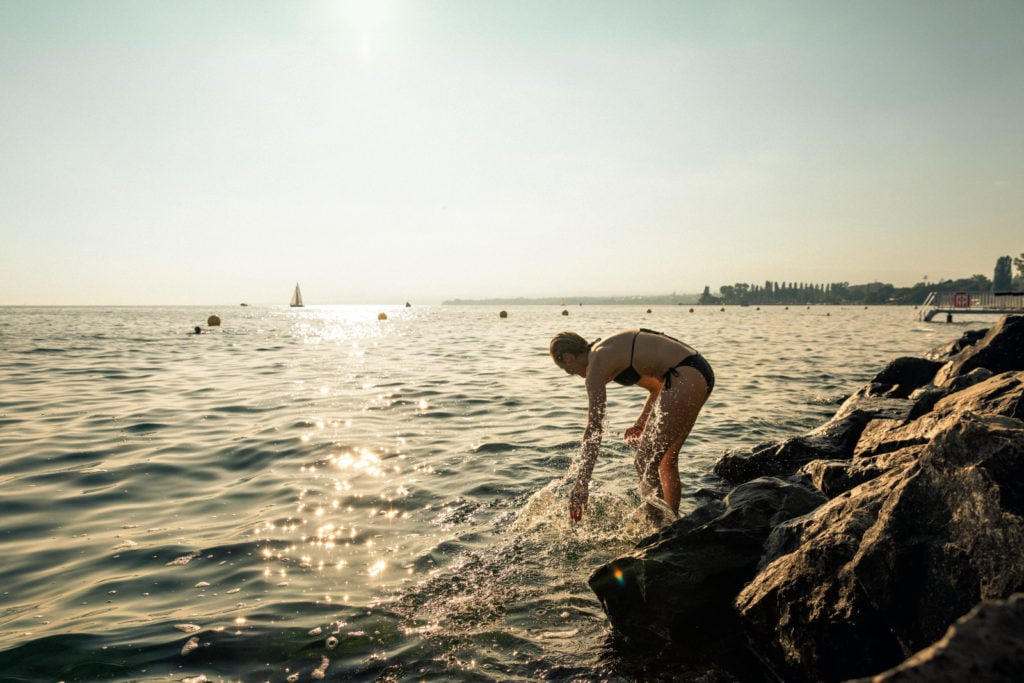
962 300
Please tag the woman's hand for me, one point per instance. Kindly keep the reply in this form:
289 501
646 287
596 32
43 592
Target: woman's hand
632 436
578 501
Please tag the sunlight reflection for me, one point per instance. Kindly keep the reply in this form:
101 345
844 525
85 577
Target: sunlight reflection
337 325
364 460
348 515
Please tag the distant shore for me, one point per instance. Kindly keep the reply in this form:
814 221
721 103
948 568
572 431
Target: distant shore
770 294
680 300
656 300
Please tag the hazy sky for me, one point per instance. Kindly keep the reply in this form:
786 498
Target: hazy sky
195 152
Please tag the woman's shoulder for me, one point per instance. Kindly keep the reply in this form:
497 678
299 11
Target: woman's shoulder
615 339
625 334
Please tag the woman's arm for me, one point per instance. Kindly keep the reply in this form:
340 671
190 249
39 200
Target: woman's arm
589 450
654 386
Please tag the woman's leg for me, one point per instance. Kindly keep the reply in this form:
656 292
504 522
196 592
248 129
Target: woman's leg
648 455
657 459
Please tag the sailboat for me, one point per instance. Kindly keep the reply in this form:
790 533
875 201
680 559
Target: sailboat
296 301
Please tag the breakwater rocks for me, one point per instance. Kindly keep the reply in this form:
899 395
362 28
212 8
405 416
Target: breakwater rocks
887 543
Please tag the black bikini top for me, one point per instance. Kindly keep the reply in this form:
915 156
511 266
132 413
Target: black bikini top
630 376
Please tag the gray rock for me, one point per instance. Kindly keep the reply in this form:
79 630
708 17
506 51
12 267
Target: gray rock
835 477
837 439
904 375
945 352
1000 350
882 570
685 578
927 396
834 440
986 644
999 395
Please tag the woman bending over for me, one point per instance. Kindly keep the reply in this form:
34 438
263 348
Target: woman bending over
679 381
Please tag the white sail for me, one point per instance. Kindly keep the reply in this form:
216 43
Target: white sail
296 297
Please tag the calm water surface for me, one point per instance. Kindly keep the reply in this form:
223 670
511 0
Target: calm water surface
314 494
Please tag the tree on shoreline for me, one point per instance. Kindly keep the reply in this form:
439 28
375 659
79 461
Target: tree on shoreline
1002 279
839 293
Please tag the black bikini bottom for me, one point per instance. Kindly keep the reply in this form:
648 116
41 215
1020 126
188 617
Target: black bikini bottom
697 362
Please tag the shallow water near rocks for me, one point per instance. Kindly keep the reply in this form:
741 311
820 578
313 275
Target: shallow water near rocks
316 494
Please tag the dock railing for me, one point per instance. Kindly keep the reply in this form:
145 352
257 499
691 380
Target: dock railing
996 303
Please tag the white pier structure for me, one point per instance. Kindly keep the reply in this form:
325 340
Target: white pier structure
973 303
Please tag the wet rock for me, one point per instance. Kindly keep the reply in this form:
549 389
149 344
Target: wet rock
927 396
892 439
904 375
835 477
680 583
945 352
834 440
1000 350
987 644
881 571
873 406
999 395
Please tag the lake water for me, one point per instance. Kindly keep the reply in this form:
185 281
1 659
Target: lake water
316 494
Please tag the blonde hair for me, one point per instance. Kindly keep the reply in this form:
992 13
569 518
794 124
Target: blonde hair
567 342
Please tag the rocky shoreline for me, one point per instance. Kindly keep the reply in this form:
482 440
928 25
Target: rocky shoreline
885 545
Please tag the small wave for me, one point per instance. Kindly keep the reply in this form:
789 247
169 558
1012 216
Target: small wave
456 512
827 399
258 650
242 409
439 414
142 427
572 633
494 447
247 458
126 544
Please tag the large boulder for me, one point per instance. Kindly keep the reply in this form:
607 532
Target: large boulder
927 396
1000 350
835 440
889 440
947 351
987 644
684 579
836 477
999 395
904 375
881 571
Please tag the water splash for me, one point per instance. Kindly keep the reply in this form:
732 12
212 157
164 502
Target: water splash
611 516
